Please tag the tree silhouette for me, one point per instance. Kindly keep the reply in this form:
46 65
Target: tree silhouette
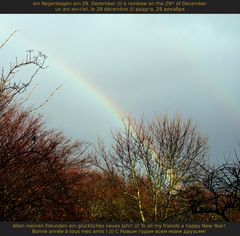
217 191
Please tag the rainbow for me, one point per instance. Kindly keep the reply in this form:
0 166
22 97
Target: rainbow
86 85
218 90
101 98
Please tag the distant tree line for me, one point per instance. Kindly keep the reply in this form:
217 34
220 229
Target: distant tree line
154 171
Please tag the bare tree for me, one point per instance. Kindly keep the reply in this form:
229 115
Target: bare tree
155 161
217 192
11 88
180 149
39 168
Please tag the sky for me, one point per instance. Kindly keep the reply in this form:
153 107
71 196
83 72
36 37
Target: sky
136 64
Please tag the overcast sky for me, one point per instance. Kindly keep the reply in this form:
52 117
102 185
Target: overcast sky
139 64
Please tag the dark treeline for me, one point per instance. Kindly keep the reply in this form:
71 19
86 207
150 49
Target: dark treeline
154 171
